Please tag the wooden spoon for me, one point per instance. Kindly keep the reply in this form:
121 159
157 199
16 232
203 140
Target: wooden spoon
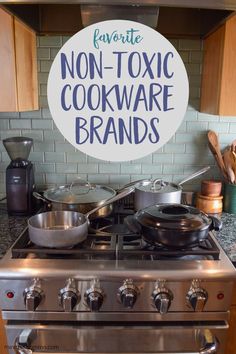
215 149
233 146
230 165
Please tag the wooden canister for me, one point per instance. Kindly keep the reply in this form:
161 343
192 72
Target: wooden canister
211 188
209 205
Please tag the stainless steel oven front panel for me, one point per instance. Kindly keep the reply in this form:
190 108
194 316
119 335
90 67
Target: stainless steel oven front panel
114 316
219 295
115 338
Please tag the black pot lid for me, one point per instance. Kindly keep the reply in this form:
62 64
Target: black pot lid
74 194
173 217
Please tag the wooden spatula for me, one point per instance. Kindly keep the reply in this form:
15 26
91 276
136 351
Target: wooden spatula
214 146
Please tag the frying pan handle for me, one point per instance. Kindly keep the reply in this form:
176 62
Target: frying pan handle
119 196
216 224
132 224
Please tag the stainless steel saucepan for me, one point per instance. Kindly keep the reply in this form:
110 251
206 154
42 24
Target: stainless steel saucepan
58 229
148 192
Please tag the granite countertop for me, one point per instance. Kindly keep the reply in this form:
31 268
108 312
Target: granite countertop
10 229
227 236
12 226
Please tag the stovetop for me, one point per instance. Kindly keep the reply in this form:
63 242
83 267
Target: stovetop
112 260
110 239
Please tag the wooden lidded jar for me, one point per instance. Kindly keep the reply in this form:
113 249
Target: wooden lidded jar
210 200
210 205
211 188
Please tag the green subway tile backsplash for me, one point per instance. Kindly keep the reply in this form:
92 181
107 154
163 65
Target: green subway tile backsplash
20 123
57 162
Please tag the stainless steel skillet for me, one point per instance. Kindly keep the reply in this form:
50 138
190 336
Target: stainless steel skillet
58 229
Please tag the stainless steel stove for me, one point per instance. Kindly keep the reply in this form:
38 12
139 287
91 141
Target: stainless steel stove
114 293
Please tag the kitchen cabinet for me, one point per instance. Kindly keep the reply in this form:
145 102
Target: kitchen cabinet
231 340
18 65
218 91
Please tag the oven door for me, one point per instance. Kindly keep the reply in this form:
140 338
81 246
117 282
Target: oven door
168 338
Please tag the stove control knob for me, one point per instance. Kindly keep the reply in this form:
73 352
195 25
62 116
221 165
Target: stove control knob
128 294
69 299
32 300
162 298
33 296
94 296
197 298
69 296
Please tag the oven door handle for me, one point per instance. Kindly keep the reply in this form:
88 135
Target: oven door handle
23 341
209 342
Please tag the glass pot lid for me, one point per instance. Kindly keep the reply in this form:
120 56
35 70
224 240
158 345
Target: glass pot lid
77 193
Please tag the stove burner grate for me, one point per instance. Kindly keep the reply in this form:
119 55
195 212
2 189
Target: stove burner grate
94 246
110 239
131 247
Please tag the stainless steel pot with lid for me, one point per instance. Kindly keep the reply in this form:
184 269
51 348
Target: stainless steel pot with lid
148 192
79 196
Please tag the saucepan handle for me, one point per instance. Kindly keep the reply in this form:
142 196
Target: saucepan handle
132 224
117 197
194 175
131 184
216 224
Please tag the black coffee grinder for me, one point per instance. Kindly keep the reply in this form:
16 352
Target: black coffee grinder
19 176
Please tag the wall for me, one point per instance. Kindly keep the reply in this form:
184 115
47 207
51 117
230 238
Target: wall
58 162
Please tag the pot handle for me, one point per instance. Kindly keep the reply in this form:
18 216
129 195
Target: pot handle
132 224
216 224
39 197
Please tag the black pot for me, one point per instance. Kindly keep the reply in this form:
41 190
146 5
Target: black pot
172 225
